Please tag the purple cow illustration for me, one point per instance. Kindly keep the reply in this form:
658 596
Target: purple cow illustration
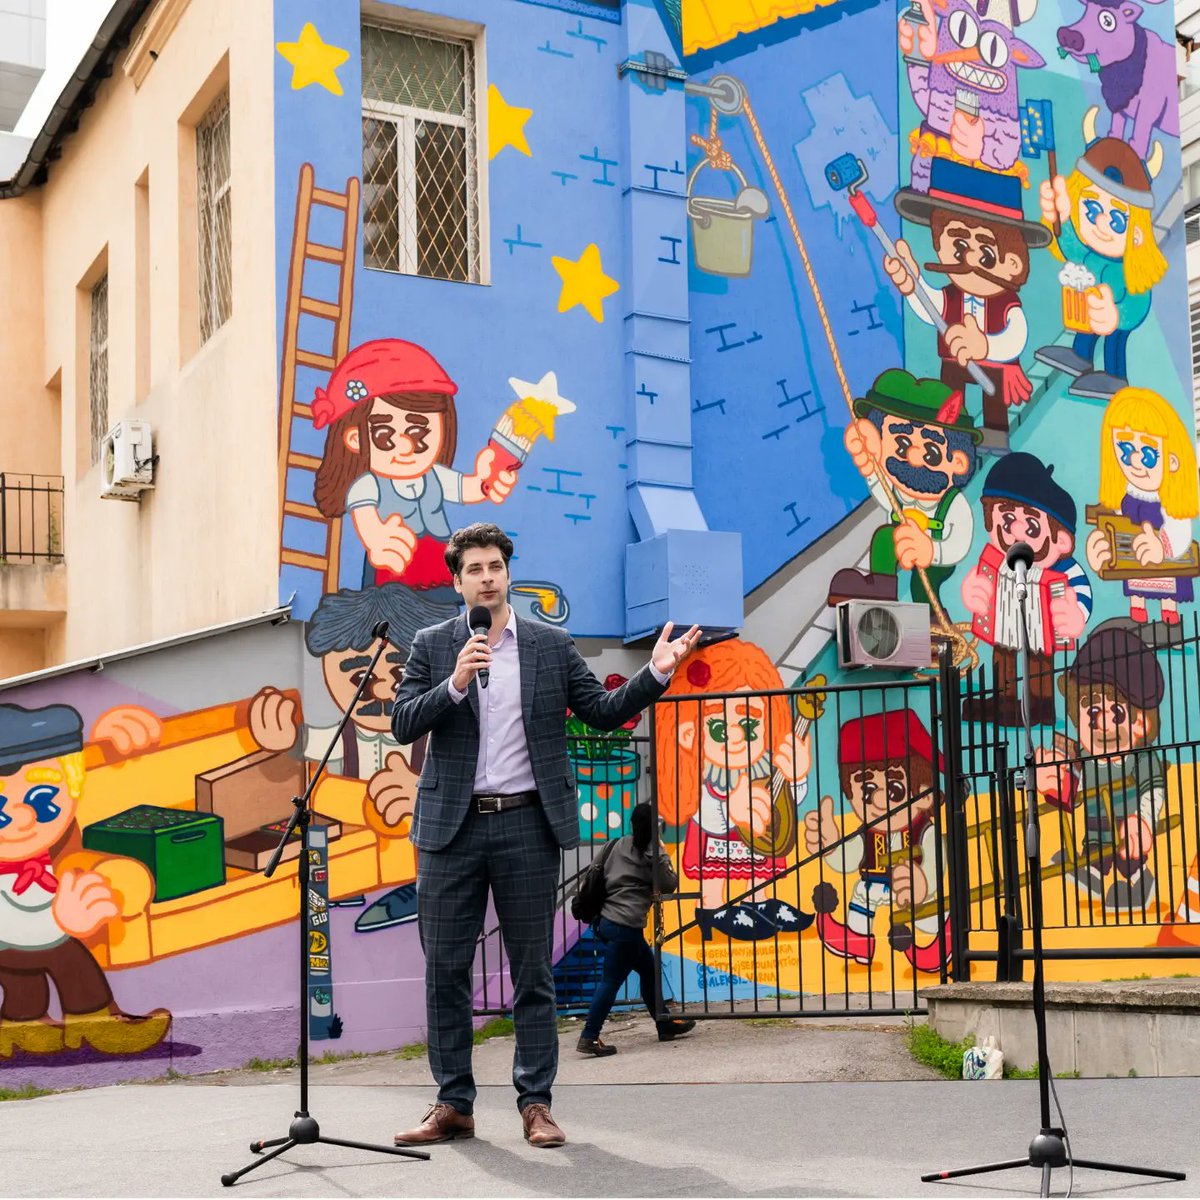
1136 69
964 81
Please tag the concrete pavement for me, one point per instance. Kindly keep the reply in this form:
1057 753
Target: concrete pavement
753 1110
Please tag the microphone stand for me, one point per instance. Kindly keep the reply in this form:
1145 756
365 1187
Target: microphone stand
1052 1146
304 1130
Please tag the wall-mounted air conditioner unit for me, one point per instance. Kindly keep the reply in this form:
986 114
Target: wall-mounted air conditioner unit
126 460
874 633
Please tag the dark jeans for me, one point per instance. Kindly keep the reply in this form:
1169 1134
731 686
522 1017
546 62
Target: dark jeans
1114 350
625 951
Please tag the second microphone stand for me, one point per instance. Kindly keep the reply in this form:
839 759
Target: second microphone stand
1051 1147
304 1130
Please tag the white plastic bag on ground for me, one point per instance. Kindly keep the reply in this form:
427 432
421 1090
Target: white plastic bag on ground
983 1062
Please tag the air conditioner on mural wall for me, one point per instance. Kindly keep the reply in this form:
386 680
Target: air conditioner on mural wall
126 461
873 633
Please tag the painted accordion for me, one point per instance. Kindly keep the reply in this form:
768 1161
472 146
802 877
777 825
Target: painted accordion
999 626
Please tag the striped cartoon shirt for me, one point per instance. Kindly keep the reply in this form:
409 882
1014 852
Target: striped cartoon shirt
1077 578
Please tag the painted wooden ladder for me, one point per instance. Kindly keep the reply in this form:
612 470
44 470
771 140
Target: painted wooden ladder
338 314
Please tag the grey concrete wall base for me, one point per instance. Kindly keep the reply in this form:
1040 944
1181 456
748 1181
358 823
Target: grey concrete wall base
1097 1030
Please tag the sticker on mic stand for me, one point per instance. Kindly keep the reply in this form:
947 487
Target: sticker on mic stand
323 1023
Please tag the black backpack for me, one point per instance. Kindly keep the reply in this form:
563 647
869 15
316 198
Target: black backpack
588 900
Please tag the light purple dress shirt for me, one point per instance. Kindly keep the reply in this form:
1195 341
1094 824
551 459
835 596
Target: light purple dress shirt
503 767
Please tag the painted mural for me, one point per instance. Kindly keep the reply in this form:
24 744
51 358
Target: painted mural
907 276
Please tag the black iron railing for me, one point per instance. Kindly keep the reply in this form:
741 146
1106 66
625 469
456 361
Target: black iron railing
612 776
31 518
813 872
1117 752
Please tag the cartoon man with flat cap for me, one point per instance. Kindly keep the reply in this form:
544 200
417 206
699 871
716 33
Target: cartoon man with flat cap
47 911
1113 691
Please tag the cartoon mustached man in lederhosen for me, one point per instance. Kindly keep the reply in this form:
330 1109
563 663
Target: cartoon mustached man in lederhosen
914 432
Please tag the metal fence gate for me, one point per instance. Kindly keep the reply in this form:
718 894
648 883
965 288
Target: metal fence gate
839 848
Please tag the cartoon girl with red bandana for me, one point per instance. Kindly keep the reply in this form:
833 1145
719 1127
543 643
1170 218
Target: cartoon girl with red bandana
389 454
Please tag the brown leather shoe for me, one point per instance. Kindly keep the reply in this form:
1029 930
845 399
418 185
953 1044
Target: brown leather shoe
540 1127
442 1123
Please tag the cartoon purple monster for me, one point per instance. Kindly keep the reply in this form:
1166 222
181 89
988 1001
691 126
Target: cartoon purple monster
964 81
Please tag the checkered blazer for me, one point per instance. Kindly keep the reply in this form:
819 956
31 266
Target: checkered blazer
554 678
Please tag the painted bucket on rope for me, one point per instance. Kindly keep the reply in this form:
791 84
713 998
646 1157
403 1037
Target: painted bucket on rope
723 229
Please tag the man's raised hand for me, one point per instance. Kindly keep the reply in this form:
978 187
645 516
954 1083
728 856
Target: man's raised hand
667 654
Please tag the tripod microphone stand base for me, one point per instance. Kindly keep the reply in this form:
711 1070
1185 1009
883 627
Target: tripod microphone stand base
1047 1151
304 1131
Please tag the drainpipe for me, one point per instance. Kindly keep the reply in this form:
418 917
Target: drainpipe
94 67
679 569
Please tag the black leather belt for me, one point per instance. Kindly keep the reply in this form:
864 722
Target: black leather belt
492 802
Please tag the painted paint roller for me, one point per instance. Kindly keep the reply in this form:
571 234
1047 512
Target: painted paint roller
847 173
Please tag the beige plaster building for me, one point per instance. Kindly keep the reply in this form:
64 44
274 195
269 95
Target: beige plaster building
137 240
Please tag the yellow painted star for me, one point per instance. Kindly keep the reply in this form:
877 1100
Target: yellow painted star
313 61
506 124
584 282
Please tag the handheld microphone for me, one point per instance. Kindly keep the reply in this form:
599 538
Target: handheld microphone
480 621
1019 559
380 630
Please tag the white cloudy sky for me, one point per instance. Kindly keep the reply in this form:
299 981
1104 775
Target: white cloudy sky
70 27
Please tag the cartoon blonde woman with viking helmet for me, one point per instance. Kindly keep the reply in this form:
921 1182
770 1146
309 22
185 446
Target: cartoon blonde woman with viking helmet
1104 210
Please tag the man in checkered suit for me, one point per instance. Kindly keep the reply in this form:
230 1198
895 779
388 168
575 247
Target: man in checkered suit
496 805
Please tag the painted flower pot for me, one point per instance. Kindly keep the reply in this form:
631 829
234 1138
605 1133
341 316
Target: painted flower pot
607 790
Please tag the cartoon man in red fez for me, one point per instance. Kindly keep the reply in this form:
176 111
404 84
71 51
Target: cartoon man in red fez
887 769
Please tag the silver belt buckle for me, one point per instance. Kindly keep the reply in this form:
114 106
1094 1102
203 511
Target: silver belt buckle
488 804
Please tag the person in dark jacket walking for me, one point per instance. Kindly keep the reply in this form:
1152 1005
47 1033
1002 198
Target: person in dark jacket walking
630 865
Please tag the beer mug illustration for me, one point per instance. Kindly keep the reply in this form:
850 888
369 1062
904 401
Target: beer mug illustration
1078 283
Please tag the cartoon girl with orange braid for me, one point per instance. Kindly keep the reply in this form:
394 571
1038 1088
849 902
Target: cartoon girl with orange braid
716 759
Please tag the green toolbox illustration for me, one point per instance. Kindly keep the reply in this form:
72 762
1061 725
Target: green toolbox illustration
183 849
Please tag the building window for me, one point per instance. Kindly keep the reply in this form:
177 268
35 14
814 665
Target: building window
1194 313
98 366
215 207
1191 183
420 171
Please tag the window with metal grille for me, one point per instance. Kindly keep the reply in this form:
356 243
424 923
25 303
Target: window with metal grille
98 366
420 176
215 208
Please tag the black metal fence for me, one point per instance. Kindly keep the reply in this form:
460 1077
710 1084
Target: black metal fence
612 776
31 518
801 816
838 848
1116 740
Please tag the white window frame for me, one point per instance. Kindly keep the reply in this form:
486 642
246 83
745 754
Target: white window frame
404 119
208 201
